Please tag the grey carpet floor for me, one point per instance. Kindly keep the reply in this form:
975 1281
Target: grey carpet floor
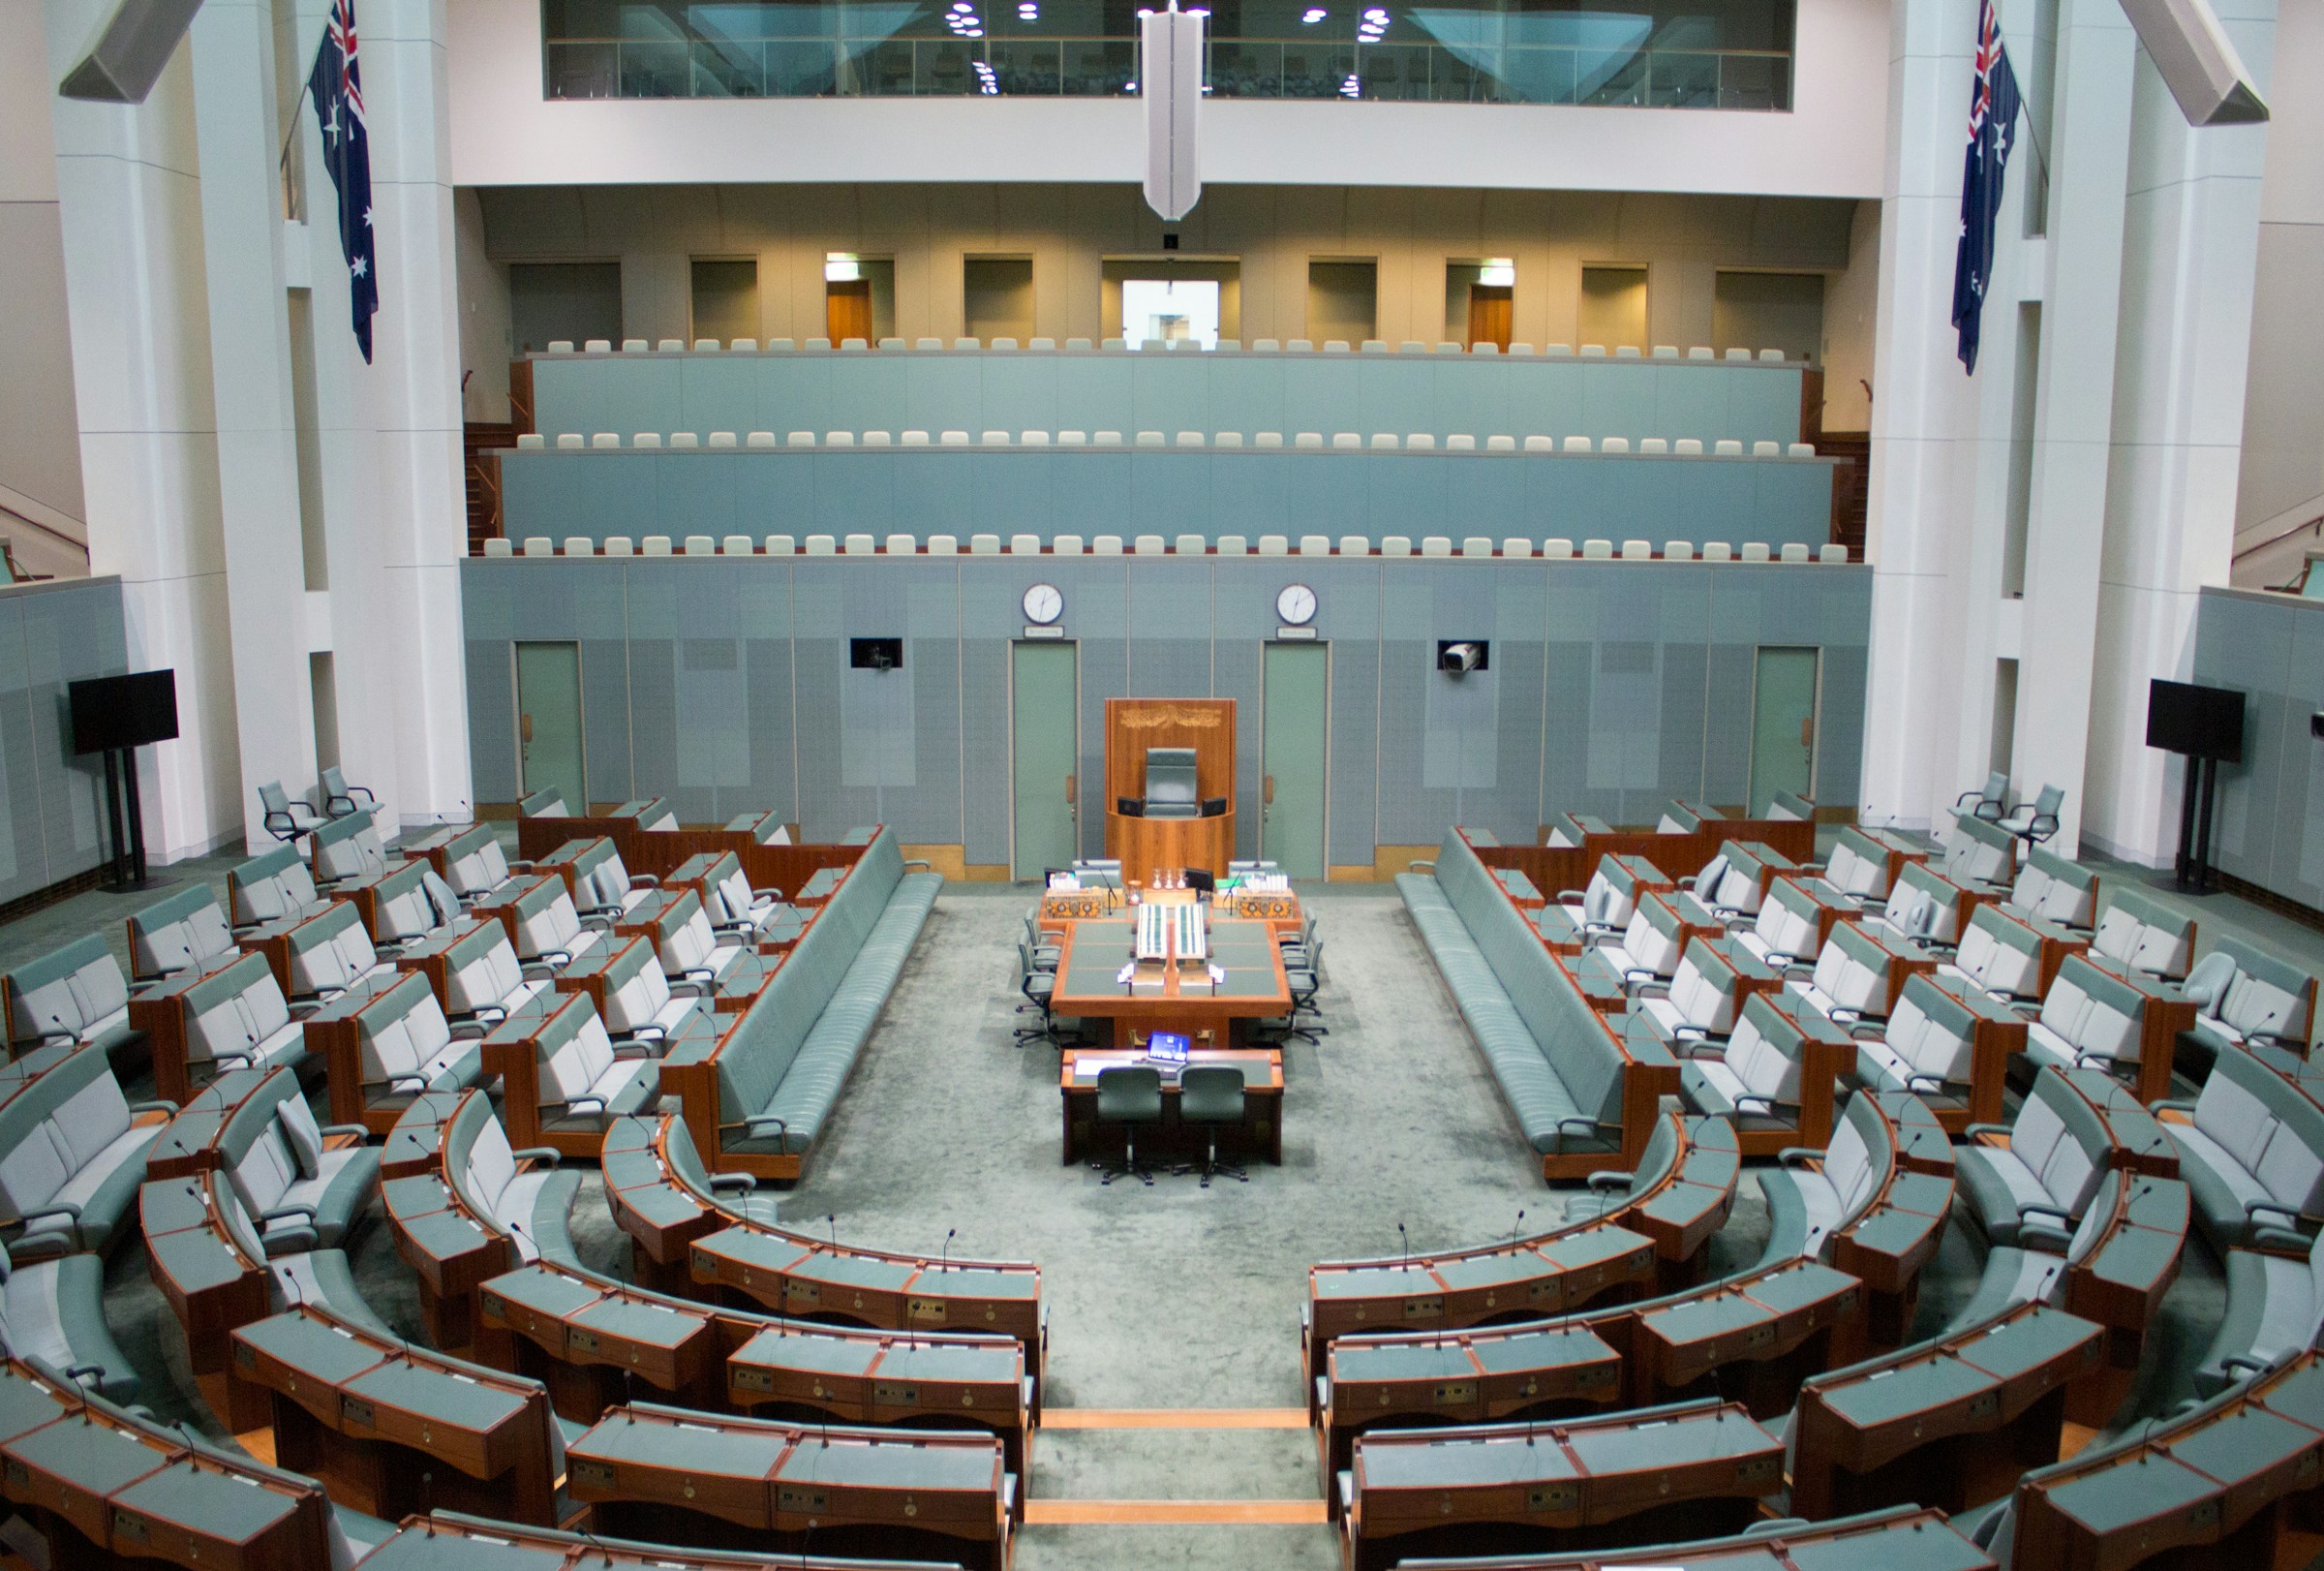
1175 1296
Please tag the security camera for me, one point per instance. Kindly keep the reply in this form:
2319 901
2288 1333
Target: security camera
1460 658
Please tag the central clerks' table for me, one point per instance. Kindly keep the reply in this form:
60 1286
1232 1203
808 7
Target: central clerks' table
1261 1129
1094 952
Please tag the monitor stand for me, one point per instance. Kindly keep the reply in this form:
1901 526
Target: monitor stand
129 853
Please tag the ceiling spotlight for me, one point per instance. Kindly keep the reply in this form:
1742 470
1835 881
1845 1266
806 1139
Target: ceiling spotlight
1312 16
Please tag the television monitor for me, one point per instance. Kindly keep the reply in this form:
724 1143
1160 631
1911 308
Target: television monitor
2199 722
125 711
1167 1046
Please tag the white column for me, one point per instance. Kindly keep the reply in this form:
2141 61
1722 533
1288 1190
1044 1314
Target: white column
232 44
2192 251
2089 156
130 190
1925 416
396 504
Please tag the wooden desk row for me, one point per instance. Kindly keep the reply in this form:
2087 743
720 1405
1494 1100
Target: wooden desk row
1902 1540
590 1340
1635 1477
660 852
1947 1423
1662 1221
392 1428
1768 1327
685 1241
1900 1227
671 1475
2232 1482
96 1481
450 1541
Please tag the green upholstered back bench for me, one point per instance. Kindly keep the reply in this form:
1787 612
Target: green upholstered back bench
1585 1099
757 1099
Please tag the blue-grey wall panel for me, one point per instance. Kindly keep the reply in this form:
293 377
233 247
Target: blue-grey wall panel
2269 828
723 683
52 634
1165 491
1484 395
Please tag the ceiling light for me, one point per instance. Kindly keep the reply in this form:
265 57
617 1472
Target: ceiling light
1352 87
1312 16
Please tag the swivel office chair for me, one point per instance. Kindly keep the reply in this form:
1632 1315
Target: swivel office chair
1211 1096
1128 1096
2037 822
1990 801
1039 988
1171 792
285 818
340 799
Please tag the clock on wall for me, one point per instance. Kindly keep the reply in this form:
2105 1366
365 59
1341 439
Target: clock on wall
1043 604
1295 605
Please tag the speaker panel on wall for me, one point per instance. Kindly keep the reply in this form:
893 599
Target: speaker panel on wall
131 52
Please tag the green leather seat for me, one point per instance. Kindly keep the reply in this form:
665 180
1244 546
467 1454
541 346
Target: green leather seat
1559 1069
785 1063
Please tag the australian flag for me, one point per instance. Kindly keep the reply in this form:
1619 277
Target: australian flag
1992 134
337 84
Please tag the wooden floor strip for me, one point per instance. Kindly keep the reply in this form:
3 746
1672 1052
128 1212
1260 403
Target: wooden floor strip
1174 1513
1174 1418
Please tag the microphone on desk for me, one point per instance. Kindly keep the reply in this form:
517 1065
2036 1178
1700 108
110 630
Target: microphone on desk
944 1259
831 1219
1517 1227
1404 1244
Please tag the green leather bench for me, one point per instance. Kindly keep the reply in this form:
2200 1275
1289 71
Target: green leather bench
285 1174
72 1155
270 887
187 931
1565 1077
77 995
780 1070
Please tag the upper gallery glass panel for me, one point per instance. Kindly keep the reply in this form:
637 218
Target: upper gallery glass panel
1735 55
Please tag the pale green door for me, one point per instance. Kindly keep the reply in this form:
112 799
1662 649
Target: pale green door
1297 700
548 720
1783 725
1045 747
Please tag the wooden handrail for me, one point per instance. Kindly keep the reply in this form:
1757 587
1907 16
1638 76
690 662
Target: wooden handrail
2316 523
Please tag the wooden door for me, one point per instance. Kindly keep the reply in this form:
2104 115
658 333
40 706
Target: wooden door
1489 311
847 310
